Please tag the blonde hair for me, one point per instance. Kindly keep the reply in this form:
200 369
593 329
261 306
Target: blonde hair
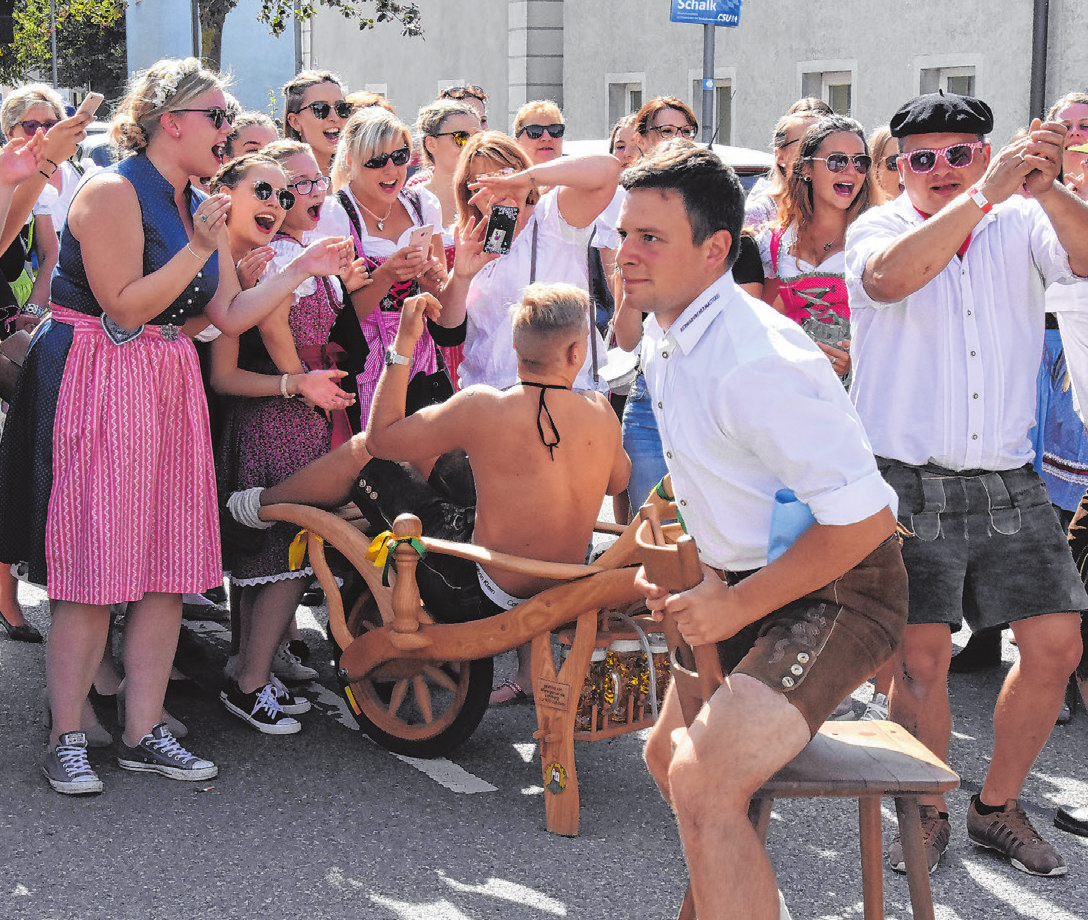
22 100
433 117
282 150
487 145
165 86
366 132
543 107
548 314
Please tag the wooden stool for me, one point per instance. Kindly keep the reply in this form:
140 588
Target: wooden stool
863 760
866 761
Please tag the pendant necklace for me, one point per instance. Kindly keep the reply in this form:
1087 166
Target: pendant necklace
380 220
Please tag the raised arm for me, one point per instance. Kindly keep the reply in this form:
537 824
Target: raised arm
1068 214
914 259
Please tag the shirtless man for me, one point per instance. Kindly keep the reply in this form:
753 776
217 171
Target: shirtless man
543 458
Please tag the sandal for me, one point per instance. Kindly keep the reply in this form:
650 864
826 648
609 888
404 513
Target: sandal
509 693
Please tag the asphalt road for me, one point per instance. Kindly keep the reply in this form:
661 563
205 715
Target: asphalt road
325 824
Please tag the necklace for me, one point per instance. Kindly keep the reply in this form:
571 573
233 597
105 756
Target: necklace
379 220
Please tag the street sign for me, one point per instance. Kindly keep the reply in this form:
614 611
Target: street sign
707 12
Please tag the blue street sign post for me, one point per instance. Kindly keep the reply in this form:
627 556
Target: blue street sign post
709 14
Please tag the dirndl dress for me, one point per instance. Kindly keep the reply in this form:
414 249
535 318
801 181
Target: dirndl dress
269 438
107 485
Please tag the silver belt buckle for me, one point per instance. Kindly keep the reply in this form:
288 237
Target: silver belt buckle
169 332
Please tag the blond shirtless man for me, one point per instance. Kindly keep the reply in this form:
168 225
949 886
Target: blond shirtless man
543 458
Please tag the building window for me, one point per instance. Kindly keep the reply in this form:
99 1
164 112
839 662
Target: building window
835 87
959 80
722 117
623 99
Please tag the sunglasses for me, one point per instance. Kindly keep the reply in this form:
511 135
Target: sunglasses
460 92
399 157
667 131
955 155
837 162
321 110
891 163
460 138
536 132
215 113
305 186
264 191
31 127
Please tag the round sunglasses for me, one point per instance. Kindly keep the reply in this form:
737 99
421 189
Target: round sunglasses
31 127
460 138
264 191
321 110
536 132
305 186
400 157
837 162
215 113
957 156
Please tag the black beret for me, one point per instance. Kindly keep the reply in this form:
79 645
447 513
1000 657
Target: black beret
942 113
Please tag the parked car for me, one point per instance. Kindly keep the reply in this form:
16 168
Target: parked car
749 165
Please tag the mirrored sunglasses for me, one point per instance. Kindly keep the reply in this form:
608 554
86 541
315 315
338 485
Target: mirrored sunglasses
957 156
264 191
215 113
31 127
460 138
305 186
536 132
321 110
837 162
891 163
400 157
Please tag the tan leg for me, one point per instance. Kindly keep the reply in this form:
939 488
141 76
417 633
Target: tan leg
77 638
659 745
919 697
326 482
151 639
741 737
272 608
1030 698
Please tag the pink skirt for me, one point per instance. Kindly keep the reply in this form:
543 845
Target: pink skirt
133 504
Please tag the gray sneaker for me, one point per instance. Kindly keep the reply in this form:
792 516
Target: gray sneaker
67 769
1010 833
935 833
160 752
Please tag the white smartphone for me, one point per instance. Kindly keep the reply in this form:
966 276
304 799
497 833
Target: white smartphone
90 105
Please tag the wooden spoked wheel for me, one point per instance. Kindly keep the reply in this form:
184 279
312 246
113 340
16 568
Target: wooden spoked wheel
413 707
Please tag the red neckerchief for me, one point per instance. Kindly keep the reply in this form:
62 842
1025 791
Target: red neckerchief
967 242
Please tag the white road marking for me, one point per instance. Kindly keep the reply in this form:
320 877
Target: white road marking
509 891
448 774
1015 897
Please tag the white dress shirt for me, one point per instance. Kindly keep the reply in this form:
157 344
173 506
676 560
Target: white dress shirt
562 256
748 405
948 375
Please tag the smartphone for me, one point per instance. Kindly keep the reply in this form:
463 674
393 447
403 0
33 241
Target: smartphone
500 229
421 238
90 105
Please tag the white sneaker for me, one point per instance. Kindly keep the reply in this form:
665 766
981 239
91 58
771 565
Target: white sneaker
286 666
876 710
289 703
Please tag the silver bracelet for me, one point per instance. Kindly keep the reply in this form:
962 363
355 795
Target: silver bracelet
197 254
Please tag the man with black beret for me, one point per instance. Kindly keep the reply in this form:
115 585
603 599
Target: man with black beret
946 297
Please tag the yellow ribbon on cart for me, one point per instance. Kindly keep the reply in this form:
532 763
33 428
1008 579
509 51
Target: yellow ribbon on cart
296 554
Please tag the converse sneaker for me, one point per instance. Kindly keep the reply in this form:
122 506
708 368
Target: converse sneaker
287 667
1010 833
260 709
289 703
935 833
67 769
159 752
876 710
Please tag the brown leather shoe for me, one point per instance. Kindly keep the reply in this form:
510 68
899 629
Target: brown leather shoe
935 833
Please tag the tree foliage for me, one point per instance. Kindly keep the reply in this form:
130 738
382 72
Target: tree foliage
277 13
90 44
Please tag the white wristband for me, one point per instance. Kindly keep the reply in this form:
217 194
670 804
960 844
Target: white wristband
245 508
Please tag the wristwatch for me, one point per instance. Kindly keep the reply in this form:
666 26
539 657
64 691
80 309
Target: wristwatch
31 309
392 356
